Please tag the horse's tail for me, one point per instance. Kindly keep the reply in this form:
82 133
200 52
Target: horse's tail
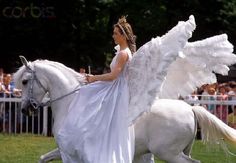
212 128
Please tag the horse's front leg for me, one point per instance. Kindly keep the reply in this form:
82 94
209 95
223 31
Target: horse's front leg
52 155
146 158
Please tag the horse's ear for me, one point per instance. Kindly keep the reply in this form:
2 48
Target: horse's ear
24 61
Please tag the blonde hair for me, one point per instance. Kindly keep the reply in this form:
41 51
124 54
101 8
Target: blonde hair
126 29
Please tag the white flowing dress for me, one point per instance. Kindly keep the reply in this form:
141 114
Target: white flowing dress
96 128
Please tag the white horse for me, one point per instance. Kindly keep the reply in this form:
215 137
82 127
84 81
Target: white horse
167 131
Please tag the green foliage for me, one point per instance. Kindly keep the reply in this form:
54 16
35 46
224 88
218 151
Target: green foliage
78 32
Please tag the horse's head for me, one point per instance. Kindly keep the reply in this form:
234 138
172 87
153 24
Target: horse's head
37 78
33 89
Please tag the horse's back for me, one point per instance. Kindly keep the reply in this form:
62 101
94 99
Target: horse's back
169 105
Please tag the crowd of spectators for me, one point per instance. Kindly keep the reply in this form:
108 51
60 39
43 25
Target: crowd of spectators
7 90
217 92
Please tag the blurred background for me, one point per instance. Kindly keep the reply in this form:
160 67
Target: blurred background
78 33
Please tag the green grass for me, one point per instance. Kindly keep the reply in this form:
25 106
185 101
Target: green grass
24 148
209 153
27 148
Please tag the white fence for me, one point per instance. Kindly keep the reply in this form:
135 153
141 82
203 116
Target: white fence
12 121
223 108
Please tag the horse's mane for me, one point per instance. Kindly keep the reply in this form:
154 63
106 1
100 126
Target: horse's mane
18 74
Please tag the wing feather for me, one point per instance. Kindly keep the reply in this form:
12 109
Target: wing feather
202 59
149 66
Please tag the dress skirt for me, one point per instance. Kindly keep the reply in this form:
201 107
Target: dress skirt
96 129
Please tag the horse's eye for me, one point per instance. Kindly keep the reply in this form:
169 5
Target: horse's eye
24 82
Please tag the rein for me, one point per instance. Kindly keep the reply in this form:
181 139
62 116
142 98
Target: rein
61 97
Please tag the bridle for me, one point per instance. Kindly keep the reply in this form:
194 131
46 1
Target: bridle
33 102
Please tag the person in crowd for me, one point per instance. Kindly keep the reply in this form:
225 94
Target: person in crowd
208 96
202 91
232 95
97 124
232 92
8 87
82 70
8 90
1 103
222 110
193 98
232 119
1 75
212 97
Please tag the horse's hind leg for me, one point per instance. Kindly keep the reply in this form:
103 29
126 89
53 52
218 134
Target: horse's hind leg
146 158
188 149
138 159
181 158
52 155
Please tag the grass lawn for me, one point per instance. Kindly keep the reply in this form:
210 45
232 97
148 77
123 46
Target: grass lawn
207 153
27 148
24 148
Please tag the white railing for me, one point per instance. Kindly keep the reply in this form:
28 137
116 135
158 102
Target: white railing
12 121
217 106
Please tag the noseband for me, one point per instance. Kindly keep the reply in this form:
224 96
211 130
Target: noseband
33 102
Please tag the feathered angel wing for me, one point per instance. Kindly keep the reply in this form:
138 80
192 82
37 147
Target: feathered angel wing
201 59
148 68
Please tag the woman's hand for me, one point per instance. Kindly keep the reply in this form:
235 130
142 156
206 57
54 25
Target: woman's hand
90 78
122 58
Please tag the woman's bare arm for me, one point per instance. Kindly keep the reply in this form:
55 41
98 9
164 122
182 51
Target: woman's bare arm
120 63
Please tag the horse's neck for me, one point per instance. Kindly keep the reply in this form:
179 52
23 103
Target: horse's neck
60 86
59 112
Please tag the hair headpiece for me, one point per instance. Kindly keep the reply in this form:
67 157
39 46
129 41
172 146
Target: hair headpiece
127 31
121 22
122 19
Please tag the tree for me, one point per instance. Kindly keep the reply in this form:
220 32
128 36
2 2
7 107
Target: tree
78 32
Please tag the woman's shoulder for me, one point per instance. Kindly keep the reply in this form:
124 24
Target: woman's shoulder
126 53
123 55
